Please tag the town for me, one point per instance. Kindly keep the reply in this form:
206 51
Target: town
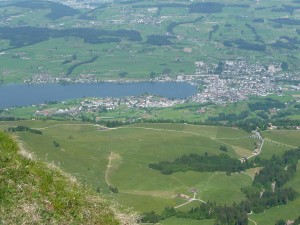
234 82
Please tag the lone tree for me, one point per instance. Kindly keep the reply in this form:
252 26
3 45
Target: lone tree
123 74
223 148
56 144
113 189
219 68
284 66
152 75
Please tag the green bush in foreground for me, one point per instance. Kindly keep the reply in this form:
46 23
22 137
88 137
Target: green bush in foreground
32 192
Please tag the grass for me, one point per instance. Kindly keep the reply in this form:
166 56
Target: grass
290 138
179 221
136 146
38 193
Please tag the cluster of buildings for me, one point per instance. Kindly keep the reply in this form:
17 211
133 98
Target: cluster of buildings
107 104
47 78
87 4
236 80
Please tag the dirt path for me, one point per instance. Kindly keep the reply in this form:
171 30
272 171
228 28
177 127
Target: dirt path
190 200
108 169
236 138
251 219
257 134
160 194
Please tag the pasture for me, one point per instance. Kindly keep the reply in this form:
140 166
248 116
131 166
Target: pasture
119 157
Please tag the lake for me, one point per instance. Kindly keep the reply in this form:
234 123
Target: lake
24 94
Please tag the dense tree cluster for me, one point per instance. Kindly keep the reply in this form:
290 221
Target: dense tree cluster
56 144
70 70
57 10
206 7
267 190
223 148
286 8
26 35
159 40
9 118
22 129
287 21
266 104
201 163
113 189
172 25
245 45
232 117
223 215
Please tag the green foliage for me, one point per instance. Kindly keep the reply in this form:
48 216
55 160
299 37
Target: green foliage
284 66
223 148
40 194
219 68
123 74
22 129
56 144
266 104
280 222
159 40
113 189
203 163
25 36
263 194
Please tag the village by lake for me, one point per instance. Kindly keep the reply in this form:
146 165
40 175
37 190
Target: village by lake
24 94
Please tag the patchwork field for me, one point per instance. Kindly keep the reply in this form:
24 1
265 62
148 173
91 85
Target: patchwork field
119 157
156 37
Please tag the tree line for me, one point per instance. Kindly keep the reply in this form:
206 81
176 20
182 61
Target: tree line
202 163
267 190
22 129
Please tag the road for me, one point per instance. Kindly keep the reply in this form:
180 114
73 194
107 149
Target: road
257 134
190 200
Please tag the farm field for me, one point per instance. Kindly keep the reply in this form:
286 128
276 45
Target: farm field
156 37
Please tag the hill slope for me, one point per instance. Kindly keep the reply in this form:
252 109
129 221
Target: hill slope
32 192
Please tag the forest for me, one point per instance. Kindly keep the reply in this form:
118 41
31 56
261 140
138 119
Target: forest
24 36
22 129
267 190
57 10
201 163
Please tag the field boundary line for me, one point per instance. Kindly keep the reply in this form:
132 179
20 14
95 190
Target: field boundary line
270 140
68 124
175 131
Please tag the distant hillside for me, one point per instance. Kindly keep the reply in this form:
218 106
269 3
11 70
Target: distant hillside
32 192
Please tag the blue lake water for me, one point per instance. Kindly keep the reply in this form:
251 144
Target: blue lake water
23 94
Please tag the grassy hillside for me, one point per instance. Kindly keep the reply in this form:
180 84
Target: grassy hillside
32 192
120 157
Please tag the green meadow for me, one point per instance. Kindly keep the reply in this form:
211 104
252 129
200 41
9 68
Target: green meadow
119 157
